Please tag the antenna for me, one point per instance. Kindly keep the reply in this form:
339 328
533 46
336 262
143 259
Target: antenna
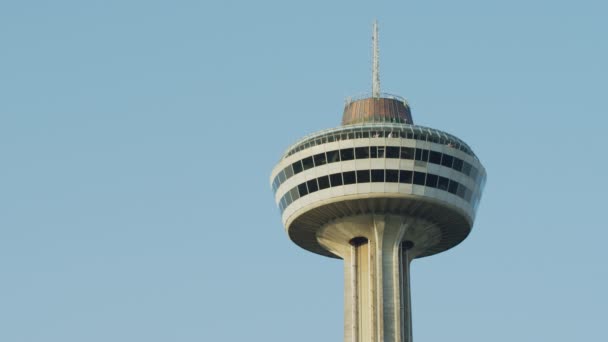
375 62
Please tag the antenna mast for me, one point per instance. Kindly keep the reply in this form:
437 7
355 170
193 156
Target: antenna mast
375 62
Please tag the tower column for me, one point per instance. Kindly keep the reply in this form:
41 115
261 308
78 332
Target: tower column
377 251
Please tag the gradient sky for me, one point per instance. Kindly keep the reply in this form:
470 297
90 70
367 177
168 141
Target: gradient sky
137 140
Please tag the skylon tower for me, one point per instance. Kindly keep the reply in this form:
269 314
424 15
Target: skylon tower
378 192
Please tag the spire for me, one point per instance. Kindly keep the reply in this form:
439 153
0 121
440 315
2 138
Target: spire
375 62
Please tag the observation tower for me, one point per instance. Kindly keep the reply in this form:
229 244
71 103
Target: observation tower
378 192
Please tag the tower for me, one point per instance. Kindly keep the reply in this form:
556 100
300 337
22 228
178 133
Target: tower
378 192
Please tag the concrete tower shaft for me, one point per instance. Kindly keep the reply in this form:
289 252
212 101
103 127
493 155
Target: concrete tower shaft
377 251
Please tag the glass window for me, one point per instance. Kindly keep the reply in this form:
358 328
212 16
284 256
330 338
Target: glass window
320 159
405 176
347 154
407 153
447 160
336 179
366 134
294 193
380 151
287 198
377 175
467 195
288 172
362 152
457 164
419 178
435 157
275 184
307 163
363 176
373 152
331 138
431 180
473 173
443 183
392 176
466 168
422 154
312 186
297 167
392 152
460 191
302 190
333 156
323 182
349 177
453 187
281 177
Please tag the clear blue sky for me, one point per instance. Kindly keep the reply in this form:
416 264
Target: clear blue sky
137 139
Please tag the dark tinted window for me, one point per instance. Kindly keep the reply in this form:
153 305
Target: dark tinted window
312 185
443 183
435 157
431 180
419 178
407 153
373 152
349 177
392 176
307 163
447 160
466 168
377 175
453 187
457 164
281 177
405 177
392 152
363 176
362 152
381 151
302 189
297 167
320 159
333 156
422 154
460 191
336 179
323 182
347 154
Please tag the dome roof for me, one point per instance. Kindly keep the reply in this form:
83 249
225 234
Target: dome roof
385 108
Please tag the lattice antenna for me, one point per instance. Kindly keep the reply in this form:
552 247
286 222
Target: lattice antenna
375 62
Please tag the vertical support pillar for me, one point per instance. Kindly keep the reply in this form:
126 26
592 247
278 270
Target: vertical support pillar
406 298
